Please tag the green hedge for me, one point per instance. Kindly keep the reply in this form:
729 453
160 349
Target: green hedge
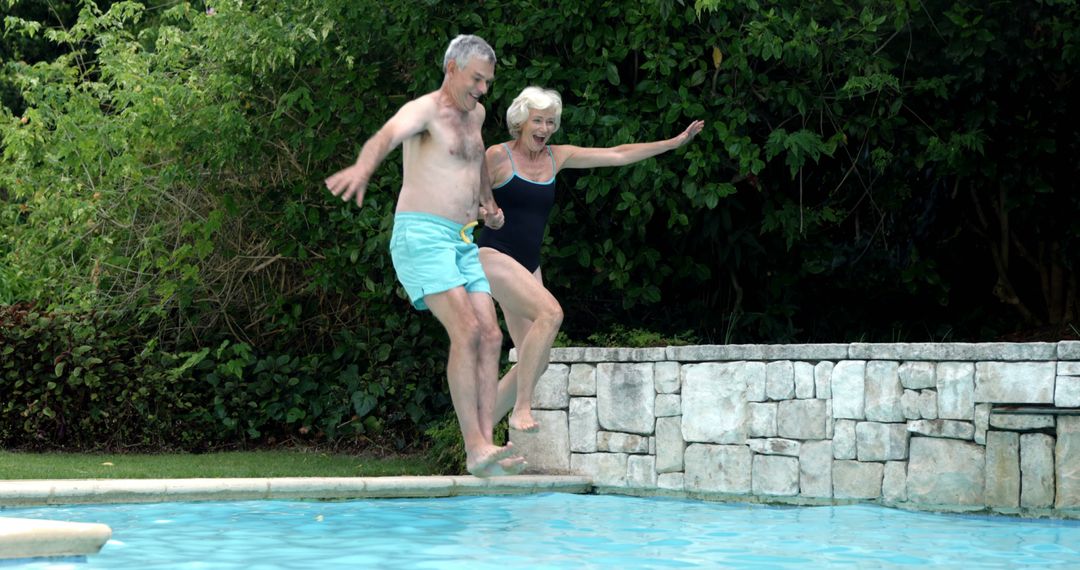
85 381
66 381
896 171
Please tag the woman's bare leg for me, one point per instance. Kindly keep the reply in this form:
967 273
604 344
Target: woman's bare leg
533 316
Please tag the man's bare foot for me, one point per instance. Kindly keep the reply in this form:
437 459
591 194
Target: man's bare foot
478 461
509 466
523 421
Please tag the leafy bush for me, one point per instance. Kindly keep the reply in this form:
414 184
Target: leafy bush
167 163
85 381
69 382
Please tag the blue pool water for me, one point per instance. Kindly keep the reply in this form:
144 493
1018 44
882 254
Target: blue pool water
554 531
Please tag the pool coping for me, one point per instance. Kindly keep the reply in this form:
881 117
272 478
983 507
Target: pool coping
36 538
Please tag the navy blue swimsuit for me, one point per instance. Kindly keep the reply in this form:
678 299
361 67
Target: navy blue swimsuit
526 205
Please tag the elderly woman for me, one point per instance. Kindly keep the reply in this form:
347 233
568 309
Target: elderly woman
523 174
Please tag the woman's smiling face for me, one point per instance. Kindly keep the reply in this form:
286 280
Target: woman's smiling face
536 131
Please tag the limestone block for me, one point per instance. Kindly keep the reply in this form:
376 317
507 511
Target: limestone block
1020 422
641 472
780 380
775 475
909 402
606 469
804 380
956 390
774 446
1068 350
857 480
1067 462
815 469
648 354
669 445
753 374
928 404
551 388
713 352
804 351
604 354
883 392
952 429
894 482
582 380
801 419
652 444
548 449
917 375
881 442
1002 469
561 354
668 405
618 442
762 419
1037 470
670 481
823 379
714 403
1068 368
849 389
625 397
1015 382
844 439
829 420
667 378
953 351
982 422
583 425
1067 392
718 468
946 472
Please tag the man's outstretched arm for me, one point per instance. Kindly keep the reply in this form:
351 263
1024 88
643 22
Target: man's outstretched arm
351 182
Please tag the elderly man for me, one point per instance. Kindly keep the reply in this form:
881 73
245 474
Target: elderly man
445 187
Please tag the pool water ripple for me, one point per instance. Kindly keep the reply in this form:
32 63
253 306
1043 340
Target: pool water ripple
554 531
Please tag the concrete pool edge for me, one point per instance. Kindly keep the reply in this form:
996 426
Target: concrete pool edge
38 538
30 493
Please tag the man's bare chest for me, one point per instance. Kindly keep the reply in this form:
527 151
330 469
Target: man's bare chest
456 138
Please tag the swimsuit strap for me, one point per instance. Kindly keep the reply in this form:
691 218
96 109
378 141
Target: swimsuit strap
513 167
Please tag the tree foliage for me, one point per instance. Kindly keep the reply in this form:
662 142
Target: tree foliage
878 170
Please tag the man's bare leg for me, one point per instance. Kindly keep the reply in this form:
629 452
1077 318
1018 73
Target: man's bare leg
488 378
533 316
471 393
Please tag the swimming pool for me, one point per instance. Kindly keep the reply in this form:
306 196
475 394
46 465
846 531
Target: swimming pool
554 531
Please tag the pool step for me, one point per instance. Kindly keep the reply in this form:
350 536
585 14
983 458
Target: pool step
35 538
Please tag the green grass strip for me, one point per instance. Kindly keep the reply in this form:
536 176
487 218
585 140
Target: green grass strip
221 464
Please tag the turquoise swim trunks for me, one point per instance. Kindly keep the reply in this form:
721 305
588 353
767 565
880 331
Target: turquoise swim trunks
431 257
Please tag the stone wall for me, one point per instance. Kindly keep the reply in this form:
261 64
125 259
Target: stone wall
931 426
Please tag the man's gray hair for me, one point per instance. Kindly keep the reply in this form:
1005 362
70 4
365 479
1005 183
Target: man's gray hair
465 47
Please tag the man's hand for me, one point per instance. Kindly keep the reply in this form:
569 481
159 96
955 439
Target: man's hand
347 183
492 220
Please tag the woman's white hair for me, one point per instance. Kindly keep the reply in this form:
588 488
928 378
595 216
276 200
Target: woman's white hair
532 97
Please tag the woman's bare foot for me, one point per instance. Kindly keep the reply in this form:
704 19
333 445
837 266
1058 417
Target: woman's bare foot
478 461
523 421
